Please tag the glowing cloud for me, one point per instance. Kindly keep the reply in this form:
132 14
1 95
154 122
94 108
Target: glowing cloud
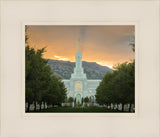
105 45
61 58
104 64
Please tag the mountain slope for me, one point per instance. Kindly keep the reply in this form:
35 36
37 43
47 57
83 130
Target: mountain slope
64 69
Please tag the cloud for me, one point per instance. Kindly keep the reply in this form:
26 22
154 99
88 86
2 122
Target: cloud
61 58
106 44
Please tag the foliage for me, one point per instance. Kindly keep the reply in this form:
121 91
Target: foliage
42 86
117 87
86 99
133 46
70 99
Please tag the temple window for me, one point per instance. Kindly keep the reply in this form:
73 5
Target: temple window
78 86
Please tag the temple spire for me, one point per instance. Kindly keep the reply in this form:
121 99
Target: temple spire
79 43
78 70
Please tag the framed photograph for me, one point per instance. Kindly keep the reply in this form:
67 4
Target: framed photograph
66 78
80 68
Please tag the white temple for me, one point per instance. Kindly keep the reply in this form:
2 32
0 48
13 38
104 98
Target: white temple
79 86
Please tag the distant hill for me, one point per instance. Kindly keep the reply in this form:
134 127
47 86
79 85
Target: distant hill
64 69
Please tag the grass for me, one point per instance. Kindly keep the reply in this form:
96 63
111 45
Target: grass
77 110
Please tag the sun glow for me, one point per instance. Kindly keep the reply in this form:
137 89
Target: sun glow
61 58
105 64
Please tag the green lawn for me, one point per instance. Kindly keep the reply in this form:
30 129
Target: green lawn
77 110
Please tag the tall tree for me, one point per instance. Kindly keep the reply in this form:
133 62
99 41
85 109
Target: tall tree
117 87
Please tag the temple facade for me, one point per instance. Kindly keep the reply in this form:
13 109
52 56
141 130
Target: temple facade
79 86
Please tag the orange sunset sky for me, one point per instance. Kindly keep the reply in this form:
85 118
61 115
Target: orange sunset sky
107 45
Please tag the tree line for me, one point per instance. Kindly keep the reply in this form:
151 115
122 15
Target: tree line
118 87
41 85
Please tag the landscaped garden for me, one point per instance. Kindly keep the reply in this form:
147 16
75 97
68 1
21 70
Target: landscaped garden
77 110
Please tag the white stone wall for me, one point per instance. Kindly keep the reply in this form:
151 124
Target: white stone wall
88 87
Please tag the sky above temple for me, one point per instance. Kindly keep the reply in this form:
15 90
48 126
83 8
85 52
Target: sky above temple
106 45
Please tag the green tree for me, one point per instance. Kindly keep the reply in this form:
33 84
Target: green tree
70 100
62 91
123 87
82 100
125 83
42 86
86 100
133 46
104 93
117 87
34 68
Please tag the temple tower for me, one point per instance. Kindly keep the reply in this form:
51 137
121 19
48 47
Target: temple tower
78 78
78 86
78 70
